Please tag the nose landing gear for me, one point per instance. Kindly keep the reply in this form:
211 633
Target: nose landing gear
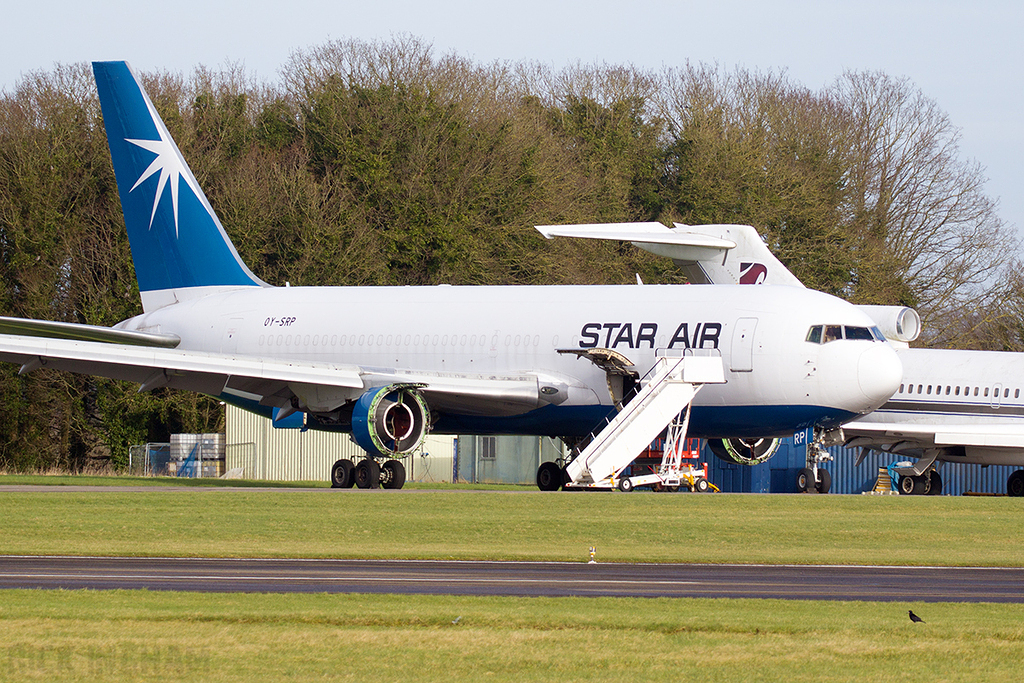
814 478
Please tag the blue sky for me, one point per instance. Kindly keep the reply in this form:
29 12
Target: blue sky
968 57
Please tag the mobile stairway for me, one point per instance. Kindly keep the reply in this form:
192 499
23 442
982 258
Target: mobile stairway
676 469
662 402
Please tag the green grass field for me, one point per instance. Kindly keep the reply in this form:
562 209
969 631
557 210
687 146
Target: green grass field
500 525
138 635
142 635
60 479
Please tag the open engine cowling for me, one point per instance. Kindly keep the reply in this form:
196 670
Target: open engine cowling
391 420
744 451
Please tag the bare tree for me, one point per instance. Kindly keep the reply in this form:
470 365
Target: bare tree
930 236
747 147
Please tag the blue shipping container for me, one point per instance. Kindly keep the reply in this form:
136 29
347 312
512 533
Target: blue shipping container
778 475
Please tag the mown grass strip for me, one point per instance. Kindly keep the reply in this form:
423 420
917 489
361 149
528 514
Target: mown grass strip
139 635
61 479
635 527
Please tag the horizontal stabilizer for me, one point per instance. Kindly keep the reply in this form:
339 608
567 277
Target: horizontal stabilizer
720 254
675 244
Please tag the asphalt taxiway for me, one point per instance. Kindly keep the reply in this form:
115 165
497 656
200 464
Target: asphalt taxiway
554 579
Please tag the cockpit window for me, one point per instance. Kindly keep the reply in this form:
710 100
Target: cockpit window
823 334
832 333
860 333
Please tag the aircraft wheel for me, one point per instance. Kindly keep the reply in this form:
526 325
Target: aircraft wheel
549 476
1015 484
701 485
367 474
625 485
824 481
392 475
341 475
935 480
906 485
914 486
805 481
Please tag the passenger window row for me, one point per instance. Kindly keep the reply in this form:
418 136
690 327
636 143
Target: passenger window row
956 390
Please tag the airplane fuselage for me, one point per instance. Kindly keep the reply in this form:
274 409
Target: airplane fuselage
776 382
979 393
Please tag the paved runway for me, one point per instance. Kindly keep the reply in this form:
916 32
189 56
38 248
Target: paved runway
930 584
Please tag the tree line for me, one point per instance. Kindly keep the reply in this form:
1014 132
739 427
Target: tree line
381 163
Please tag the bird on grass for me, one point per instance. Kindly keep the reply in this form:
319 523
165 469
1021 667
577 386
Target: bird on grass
914 618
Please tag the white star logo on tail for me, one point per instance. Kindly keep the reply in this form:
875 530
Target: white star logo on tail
170 164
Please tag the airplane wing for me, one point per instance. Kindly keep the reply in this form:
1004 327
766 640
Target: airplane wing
676 244
916 435
58 330
274 382
478 395
153 368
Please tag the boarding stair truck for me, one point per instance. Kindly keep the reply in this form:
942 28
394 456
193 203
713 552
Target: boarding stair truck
662 402
678 466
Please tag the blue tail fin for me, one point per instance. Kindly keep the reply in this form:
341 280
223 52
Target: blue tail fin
178 245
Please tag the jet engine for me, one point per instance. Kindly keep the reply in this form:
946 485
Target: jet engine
391 420
744 451
898 323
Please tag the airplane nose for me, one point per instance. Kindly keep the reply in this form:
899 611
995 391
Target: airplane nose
879 373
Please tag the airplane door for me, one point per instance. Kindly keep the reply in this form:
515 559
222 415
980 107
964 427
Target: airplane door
997 398
741 358
230 342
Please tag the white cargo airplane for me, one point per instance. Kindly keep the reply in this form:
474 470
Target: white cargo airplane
390 363
953 406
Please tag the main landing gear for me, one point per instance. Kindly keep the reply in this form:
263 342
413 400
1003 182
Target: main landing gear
920 478
368 474
550 477
928 483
